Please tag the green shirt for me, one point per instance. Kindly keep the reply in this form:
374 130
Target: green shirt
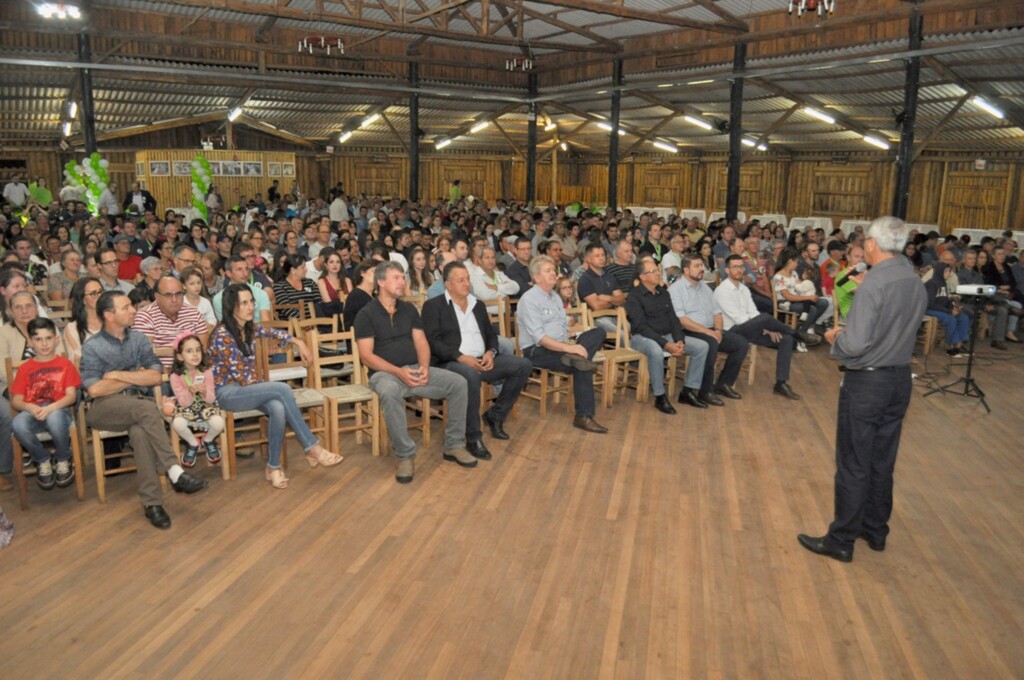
844 294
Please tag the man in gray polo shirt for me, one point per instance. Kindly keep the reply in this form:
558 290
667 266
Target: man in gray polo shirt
119 370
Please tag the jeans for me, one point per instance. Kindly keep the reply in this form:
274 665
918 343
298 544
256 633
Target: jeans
6 450
958 326
696 349
734 345
870 419
815 310
441 384
58 424
277 401
515 371
582 381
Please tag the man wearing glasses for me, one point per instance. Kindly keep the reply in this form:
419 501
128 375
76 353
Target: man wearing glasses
184 257
323 239
108 266
169 317
740 315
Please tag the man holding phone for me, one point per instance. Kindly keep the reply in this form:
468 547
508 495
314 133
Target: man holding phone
393 345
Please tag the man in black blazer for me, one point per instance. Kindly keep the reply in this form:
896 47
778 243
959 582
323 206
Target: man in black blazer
142 199
463 340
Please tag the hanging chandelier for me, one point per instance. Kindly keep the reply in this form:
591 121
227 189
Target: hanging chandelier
322 44
823 7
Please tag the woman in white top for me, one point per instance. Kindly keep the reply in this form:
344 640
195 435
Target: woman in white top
795 294
192 281
84 322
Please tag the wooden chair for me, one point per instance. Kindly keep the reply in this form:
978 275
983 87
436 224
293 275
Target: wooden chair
791 319
309 400
288 311
365 411
20 472
928 334
616 362
96 437
545 383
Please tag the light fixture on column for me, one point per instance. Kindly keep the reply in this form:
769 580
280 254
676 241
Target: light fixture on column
322 44
519 64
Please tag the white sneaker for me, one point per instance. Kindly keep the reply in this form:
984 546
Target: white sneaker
811 331
803 316
801 347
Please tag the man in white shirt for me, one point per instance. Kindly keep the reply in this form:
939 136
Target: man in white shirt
16 193
108 200
489 282
338 210
740 315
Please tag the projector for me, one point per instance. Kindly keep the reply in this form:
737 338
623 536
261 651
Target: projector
976 290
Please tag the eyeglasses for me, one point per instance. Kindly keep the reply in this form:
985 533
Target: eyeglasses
650 271
188 263
106 262
94 293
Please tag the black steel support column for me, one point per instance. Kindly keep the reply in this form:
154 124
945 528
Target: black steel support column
414 132
531 141
732 191
85 82
905 156
613 143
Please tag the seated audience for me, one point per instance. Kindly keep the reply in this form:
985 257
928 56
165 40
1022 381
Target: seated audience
794 298
1004 324
292 287
238 272
169 316
941 305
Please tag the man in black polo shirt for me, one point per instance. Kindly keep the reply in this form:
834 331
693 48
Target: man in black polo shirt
656 328
519 271
394 347
598 288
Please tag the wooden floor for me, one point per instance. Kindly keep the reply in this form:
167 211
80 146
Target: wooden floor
665 550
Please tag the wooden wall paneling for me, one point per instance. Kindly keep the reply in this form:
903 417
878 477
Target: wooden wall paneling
841 192
384 177
925 188
751 178
974 199
658 186
1016 211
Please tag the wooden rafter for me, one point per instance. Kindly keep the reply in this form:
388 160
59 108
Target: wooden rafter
726 16
394 130
508 139
147 128
621 11
558 23
557 139
650 133
1013 112
923 144
779 122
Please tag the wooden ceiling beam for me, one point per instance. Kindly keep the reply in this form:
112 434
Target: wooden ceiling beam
1013 113
622 12
257 124
922 145
650 133
148 128
724 15
508 139
558 23
394 131
779 122
558 138
358 21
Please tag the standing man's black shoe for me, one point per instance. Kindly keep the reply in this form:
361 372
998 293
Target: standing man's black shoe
877 546
728 392
784 390
157 516
817 546
478 450
497 431
689 396
662 403
188 484
588 424
710 398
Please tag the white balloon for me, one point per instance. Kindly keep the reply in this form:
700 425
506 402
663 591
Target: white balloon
104 162
102 186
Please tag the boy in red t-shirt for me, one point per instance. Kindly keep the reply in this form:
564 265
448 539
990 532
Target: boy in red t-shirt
44 389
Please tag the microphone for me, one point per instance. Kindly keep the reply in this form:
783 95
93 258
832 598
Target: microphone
861 267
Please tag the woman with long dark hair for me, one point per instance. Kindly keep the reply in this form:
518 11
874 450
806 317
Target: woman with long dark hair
233 354
292 286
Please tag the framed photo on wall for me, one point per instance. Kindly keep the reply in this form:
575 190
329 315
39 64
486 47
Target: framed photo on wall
215 168
230 168
288 169
182 168
159 168
252 168
273 169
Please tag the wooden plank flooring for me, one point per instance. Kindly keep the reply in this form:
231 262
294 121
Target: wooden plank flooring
665 550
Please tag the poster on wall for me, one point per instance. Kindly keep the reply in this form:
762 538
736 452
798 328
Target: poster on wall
230 168
182 168
273 169
159 168
288 169
215 168
252 168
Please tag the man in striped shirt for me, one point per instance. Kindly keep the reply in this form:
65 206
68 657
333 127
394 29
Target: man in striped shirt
164 321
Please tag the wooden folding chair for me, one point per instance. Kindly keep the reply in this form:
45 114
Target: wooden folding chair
364 411
545 383
20 472
617 371
791 319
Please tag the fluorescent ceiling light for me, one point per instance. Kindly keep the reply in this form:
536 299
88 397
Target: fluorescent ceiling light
666 85
608 128
701 82
479 126
874 141
235 113
344 136
815 113
369 120
988 108
698 122
67 129
752 143
443 143
602 91
73 110
665 147
550 126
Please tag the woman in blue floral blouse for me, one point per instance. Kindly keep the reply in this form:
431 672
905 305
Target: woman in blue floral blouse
233 356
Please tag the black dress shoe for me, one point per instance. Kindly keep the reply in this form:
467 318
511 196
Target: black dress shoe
808 339
157 516
877 546
497 431
688 396
663 404
784 390
996 344
188 484
710 398
478 450
579 363
817 546
589 424
728 392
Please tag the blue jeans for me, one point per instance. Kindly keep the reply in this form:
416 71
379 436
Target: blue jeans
958 326
58 424
6 451
695 348
277 401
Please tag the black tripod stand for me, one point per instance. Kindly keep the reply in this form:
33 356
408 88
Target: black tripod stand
970 385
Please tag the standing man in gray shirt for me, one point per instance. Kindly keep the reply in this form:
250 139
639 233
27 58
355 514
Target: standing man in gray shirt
119 370
875 352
